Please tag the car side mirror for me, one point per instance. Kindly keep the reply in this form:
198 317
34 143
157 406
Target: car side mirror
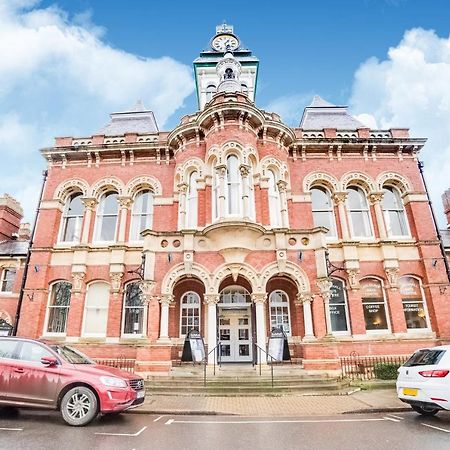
49 361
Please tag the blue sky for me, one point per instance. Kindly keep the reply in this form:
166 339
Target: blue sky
71 62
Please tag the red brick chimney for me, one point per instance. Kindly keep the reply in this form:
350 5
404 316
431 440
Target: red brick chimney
446 201
11 214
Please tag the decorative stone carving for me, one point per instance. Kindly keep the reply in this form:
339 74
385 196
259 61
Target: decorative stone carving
147 287
259 297
245 170
339 197
89 203
320 178
182 188
324 284
353 278
392 276
106 183
179 271
116 281
166 299
282 185
77 281
143 182
393 178
375 197
211 299
125 202
304 297
188 261
359 179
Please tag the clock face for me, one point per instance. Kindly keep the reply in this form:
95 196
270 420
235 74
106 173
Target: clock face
224 42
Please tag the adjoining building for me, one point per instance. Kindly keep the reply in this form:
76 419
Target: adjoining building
445 234
234 223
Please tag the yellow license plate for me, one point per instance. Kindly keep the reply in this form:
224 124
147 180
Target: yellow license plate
411 392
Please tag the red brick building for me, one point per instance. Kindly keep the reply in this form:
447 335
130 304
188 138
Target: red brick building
245 225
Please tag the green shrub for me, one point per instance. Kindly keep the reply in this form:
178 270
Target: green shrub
386 371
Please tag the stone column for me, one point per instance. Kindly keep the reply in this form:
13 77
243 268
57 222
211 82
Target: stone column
165 302
375 199
283 203
182 190
259 299
339 200
324 285
211 300
125 204
146 287
221 207
245 171
306 300
89 207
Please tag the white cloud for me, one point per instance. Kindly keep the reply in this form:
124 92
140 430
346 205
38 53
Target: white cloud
58 77
411 88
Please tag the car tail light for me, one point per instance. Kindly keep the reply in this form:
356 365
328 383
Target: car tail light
434 373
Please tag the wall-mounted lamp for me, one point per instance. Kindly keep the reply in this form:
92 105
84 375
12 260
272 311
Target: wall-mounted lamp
36 268
300 256
169 257
434 263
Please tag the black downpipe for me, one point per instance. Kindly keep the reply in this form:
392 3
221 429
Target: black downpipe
436 227
27 261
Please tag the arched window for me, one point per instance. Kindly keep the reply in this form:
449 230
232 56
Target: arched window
142 215
72 219
210 91
279 311
190 313
274 201
394 213
8 276
215 199
244 88
106 223
96 309
414 306
192 201
58 307
233 186
323 210
374 304
359 212
133 311
236 295
338 307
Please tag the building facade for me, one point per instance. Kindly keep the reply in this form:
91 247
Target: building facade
234 223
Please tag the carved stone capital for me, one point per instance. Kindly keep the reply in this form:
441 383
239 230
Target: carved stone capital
211 299
282 185
324 284
125 202
182 188
339 197
245 170
77 281
392 276
304 297
89 203
116 281
166 299
259 297
376 197
353 278
221 170
147 287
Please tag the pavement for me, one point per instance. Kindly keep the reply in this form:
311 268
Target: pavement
364 401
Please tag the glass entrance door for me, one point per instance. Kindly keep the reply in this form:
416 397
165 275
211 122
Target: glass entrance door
235 335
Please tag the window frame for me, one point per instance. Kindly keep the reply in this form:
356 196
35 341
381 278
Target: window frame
274 200
4 281
49 306
386 306
332 233
86 307
99 217
228 186
209 94
65 217
187 306
192 220
402 210
139 215
359 210
428 328
280 305
347 332
143 309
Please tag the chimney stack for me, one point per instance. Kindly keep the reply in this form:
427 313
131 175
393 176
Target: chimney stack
11 213
446 201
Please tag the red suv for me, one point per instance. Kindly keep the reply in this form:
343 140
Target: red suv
45 375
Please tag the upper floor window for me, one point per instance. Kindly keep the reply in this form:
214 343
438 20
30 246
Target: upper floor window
274 201
323 210
96 309
359 212
244 88
190 313
8 276
233 186
374 307
414 306
72 219
106 224
394 213
142 214
279 311
338 307
133 310
58 307
192 201
210 91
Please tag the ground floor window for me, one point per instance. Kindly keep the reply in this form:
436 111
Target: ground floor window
279 311
96 309
190 313
133 310
338 307
413 303
58 307
373 304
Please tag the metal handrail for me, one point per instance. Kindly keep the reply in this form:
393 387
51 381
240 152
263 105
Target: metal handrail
205 362
268 355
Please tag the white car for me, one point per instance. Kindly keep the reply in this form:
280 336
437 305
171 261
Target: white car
424 380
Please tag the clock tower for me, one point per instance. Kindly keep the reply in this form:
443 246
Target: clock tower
224 46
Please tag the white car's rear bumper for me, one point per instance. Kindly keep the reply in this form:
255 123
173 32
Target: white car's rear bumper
426 393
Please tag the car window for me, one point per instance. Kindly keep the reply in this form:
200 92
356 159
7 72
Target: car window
33 352
7 347
425 357
71 355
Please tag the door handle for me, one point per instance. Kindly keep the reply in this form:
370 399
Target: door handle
19 370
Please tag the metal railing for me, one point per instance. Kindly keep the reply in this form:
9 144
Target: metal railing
356 367
216 351
120 362
268 355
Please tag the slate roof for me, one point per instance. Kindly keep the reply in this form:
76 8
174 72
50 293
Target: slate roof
136 120
13 248
321 114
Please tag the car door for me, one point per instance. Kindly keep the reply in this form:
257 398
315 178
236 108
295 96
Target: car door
31 382
8 349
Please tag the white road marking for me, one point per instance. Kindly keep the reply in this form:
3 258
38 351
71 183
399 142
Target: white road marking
381 419
156 420
11 429
123 434
391 419
435 428
396 417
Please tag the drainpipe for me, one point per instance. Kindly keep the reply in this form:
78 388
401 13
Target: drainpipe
436 227
27 261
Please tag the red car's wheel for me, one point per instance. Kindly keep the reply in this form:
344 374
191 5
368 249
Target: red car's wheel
79 406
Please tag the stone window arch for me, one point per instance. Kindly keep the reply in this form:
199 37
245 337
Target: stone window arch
72 219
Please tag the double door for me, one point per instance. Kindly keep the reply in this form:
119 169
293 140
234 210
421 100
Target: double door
235 335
